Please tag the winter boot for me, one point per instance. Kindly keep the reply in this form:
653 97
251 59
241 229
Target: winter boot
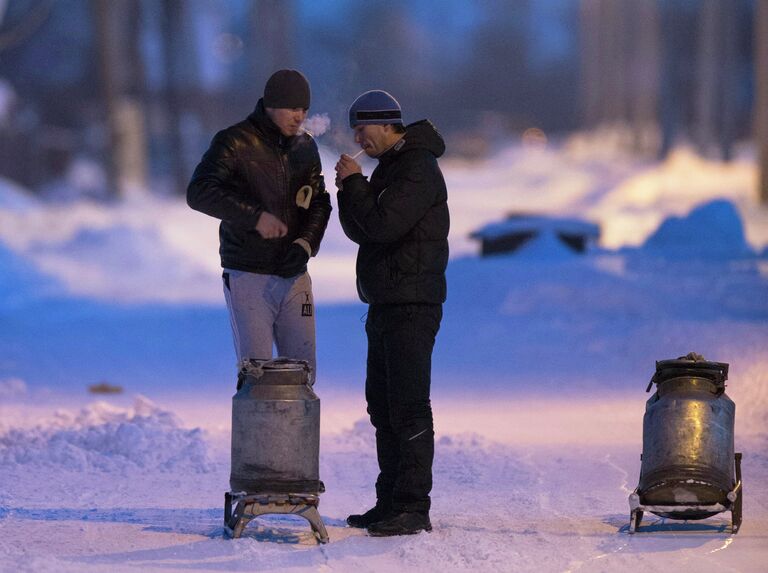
405 523
376 513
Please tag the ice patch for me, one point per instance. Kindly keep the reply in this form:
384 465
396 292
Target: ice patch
103 437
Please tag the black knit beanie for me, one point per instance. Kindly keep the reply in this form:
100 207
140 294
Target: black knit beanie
287 89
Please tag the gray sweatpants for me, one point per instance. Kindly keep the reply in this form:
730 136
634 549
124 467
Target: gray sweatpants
267 311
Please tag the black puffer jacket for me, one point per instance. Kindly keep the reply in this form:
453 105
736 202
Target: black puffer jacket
400 220
249 168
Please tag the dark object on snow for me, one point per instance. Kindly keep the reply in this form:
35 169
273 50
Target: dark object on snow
105 388
275 446
689 469
517 229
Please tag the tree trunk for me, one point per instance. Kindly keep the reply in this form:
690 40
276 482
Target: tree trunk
645 70
591 74
108 65
116 32
717 64
173 32
274 34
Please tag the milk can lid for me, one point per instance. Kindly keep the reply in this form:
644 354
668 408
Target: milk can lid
280 370
693 365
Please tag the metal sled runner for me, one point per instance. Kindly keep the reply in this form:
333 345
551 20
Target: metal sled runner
250 506
732 503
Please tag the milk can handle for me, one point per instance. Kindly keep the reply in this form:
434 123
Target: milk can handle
650 384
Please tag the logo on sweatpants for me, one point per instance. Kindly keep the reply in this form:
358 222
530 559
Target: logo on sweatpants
306 308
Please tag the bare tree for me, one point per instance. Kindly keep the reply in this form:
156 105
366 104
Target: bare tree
761 96
32 21
620 67
274 31
116 32
172 26
717 83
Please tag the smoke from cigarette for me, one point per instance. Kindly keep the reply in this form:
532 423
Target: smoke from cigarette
317 124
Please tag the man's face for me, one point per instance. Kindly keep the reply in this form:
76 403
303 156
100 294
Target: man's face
373 139
288 120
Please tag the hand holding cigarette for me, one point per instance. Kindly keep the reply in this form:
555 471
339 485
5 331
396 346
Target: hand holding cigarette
347 165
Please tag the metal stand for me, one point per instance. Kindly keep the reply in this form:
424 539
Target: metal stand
250 506
734 504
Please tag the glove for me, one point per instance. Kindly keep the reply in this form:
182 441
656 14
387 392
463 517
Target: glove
294 261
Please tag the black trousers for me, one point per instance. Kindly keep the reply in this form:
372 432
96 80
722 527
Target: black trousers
400 342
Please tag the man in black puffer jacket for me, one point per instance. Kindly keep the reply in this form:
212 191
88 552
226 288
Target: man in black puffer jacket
400 221
262 177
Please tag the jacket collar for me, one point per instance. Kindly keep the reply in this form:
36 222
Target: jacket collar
267 128
418 135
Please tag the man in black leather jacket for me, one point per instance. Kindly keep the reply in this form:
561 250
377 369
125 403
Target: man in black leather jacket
400 221
262 177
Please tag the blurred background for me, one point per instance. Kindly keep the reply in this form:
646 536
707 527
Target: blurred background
607 175
105 99
596 148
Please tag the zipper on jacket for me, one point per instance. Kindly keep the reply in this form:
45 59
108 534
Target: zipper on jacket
287 184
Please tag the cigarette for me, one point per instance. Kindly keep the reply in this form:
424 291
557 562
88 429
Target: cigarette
356 155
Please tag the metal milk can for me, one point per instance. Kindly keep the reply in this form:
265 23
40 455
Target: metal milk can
275 429
689 468
275 446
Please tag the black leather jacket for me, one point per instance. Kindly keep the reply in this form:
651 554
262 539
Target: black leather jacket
400 220
249 168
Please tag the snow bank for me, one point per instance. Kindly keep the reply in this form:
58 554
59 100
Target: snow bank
172 251
712 230
545 246
636 202
105 438
20 282
93 262
11 388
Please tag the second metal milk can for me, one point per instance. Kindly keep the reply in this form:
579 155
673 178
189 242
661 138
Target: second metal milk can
688 469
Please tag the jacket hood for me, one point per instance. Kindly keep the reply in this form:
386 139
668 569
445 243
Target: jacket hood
420 135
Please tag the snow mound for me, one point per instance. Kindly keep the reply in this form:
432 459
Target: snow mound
93 262
19 281
460 459
102 437
11 388
360 435
114 249
546 246
711 230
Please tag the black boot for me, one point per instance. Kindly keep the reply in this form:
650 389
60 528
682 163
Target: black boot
405 523
376 513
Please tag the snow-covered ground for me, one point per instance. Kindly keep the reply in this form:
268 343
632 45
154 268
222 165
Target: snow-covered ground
538 387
